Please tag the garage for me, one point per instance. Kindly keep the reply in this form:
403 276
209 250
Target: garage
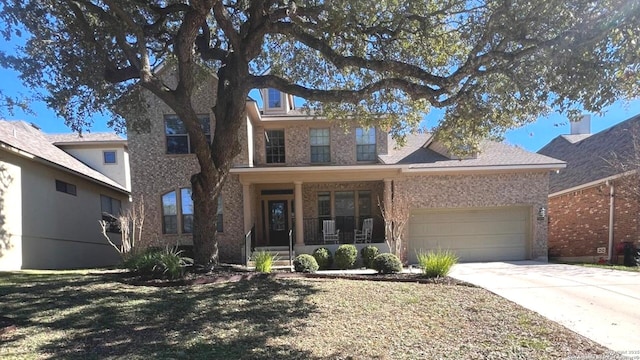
479 234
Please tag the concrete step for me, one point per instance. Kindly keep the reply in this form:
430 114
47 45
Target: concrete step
276 264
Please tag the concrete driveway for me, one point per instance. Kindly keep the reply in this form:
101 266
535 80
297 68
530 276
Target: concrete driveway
601 304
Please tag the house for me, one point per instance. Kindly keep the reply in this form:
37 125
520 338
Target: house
53 191
297 170
592 208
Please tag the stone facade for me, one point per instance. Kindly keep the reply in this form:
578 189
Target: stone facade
487 190
579 222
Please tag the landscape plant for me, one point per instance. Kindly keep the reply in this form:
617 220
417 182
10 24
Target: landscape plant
159 263
264 261
368 253
487 65
436 263
323 257
305 263
387 263
345 257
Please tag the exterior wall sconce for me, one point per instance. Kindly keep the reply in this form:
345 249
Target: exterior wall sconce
542 213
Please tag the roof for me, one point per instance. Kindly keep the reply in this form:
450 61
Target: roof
492 154
84 138
588 159
26 138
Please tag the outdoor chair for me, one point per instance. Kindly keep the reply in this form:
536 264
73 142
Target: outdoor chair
364 235
329 233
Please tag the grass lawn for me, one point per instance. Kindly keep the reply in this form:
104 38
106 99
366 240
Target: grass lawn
610 267
94 316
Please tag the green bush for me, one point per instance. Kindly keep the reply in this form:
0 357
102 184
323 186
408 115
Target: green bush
387 264
368 253
264 261
159 263
436 263
323 257
346 256
305 263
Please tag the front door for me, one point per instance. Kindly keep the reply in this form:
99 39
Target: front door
278 223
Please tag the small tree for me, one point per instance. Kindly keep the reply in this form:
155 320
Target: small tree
131 224
396 218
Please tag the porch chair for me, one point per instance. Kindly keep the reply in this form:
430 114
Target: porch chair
329 233
364 235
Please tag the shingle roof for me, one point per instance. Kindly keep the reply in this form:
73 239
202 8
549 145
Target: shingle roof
85 137
492 154
25 137
588 159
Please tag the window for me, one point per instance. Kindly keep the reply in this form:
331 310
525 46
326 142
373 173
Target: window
345 204
177 212
178 141
324 205
364 203
275 146
365 144
110 211
320 149
109 157
274 98
66 187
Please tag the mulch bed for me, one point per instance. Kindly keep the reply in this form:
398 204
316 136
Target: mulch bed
227 274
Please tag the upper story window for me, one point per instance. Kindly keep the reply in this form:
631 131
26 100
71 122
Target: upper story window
275 146
365 144
66 187
177 212
109 156
274 99
320 148
178 141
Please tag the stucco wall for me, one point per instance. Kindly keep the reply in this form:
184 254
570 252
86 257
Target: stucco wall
579 222
10 215
58 230
490 190
93 156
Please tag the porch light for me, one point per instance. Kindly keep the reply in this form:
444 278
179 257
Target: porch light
542 213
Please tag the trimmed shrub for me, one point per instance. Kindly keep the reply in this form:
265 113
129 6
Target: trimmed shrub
305 263
368 253
436 263
159 263
387 264
323 257
264 261
346 256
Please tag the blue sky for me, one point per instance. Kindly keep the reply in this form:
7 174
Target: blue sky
531 137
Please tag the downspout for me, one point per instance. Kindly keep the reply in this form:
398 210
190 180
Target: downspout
611 218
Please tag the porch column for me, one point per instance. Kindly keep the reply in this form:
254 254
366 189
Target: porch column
299 214
246 207
387 202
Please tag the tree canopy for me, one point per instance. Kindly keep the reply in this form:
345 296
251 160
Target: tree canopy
490 64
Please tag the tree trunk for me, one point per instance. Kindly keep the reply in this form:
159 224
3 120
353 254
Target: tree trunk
205 196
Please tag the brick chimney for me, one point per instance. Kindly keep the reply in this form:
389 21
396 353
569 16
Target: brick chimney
581 127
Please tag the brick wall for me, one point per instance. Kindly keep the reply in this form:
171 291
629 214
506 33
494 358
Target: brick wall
579 222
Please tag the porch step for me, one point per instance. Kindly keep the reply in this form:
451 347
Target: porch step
281 253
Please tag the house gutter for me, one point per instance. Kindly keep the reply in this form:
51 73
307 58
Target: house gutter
591 184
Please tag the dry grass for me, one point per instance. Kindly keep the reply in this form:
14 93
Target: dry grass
91 316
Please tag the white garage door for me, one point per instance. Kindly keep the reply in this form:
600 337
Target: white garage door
487 234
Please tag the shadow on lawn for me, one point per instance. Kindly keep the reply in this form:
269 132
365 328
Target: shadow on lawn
97 317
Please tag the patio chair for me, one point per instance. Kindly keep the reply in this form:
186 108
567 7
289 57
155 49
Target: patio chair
364 235
329 233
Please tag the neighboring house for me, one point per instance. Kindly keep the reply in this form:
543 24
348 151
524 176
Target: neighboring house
295 171
53 191
591 208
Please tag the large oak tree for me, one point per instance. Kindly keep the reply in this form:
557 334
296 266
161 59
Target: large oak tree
490 64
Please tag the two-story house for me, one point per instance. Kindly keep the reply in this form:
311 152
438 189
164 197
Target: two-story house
296 170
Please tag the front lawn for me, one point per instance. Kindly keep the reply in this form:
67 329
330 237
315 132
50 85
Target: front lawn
610 267
85 316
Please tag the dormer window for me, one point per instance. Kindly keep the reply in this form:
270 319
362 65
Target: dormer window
274 99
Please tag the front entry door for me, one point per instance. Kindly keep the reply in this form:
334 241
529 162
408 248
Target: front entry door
278 223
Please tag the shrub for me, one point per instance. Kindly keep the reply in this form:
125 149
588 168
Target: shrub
436 263
305 263
323 257
346 256
368 253
158 263
387 264
264 261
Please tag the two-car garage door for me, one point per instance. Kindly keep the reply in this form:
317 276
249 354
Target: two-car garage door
483 234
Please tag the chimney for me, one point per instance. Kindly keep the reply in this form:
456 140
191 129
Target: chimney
581 127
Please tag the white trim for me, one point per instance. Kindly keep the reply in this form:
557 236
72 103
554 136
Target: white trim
551 166
591 184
